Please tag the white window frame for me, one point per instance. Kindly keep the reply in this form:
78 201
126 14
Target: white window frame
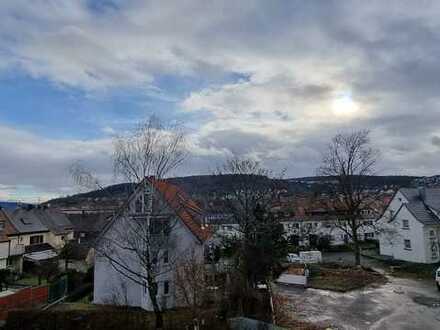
407 246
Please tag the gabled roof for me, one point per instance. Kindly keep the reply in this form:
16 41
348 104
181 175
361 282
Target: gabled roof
184 207
89 222
431 196
420 205
26 221
57 222
40 219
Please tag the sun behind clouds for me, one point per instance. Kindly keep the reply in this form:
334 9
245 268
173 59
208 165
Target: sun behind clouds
344 106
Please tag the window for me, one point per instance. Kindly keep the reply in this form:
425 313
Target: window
369 235
407 244
165 256
405 224
62 238
431 233
138 206
37 239
434 255
166 287
2 225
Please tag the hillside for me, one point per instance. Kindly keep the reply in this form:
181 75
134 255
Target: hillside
202 185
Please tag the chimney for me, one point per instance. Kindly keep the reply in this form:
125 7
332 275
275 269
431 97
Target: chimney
422 192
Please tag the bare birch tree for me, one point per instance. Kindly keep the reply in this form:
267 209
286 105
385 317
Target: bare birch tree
139 246
350 160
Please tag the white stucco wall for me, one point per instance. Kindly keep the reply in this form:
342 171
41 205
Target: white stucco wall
431 239
57 241
108 281
392 244
415 234
4 250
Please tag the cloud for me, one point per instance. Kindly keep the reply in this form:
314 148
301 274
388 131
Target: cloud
35 167
265 77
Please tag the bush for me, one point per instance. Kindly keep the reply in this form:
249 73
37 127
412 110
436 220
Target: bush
80 292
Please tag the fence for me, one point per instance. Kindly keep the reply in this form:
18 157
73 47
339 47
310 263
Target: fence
57 290
24 298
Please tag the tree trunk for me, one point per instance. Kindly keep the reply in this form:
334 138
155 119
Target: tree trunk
159 320
357 251
157 313
152 291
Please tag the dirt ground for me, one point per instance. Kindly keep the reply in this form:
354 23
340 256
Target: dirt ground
399 304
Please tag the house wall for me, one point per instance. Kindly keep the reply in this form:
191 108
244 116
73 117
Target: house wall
388 238
109 280
323 228
110 286
24 239
4 250
58 241
415 234
431 239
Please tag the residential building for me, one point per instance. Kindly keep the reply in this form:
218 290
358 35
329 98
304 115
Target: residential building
36 225
410 226
7 254
38 234
158 203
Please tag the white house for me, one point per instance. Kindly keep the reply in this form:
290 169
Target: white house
154 203
308 227
410 226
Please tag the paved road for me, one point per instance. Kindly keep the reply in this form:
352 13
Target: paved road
399 304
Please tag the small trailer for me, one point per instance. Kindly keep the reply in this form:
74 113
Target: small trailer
310 257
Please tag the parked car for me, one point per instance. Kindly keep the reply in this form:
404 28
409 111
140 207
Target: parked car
293 257
437 278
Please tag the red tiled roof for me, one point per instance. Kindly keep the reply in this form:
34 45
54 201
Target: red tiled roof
186 209
9 228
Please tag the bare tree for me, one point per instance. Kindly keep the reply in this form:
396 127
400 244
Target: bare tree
350 159
249 185
138 245
251 192
153 149
192 284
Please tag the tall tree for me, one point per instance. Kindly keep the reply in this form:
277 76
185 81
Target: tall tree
153 150
350 159
249 197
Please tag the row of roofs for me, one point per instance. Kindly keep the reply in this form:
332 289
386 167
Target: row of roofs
32 220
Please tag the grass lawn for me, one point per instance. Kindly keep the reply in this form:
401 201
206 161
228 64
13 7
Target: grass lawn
30 281
414 270
343 279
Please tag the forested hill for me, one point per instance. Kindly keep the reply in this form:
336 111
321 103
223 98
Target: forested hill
206 184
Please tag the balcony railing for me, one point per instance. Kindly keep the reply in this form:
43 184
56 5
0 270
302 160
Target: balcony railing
17 250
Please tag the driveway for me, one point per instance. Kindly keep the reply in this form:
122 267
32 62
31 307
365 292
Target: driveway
399 304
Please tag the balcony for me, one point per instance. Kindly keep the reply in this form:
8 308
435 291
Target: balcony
17 250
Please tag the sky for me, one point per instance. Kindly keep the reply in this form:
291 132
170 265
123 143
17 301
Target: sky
268 80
